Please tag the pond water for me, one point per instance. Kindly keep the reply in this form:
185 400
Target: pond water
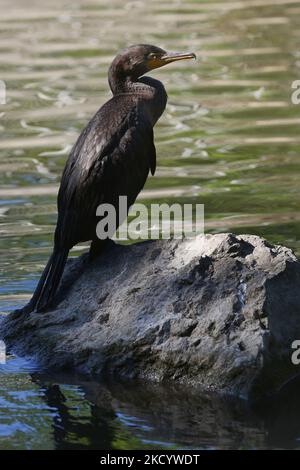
58 411
229 139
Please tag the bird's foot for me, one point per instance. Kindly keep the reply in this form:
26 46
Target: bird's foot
22 311
98 247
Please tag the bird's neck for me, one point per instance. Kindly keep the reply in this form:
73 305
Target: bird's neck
145 88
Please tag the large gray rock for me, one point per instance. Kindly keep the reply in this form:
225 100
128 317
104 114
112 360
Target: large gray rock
220 311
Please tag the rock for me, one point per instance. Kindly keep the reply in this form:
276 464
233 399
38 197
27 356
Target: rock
220 311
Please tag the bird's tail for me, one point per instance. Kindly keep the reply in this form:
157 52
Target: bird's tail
48 283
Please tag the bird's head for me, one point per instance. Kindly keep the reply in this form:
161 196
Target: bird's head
135 61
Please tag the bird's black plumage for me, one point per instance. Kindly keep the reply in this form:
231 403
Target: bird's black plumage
112 157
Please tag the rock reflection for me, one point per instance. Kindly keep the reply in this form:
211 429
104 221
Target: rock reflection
134 415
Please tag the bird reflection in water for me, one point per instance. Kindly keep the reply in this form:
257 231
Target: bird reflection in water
92 415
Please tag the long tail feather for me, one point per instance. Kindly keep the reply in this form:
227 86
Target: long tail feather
52 279
48 283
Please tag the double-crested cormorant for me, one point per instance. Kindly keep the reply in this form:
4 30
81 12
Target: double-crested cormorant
111 158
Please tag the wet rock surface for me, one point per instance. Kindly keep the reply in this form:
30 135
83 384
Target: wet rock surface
219 311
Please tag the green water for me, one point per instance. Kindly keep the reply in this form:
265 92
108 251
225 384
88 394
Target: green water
229 139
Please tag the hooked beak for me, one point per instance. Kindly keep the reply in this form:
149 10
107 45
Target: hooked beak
173 56
169 57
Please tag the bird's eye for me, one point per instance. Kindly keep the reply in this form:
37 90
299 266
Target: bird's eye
152 56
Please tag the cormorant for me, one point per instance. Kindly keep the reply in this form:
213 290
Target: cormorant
112 157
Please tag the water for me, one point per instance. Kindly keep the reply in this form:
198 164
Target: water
229 139
39 410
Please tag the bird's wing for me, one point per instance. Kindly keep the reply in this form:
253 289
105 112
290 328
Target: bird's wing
111 153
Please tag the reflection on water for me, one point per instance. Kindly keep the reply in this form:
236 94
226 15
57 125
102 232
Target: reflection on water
229 139
42 411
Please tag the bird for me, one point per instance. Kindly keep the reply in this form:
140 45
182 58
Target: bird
112 157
